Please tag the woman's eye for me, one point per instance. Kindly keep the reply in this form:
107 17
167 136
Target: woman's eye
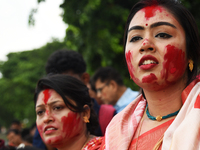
57 108
40 112
163 35
135 38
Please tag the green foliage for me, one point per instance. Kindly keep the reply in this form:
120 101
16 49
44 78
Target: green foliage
20 74
95 29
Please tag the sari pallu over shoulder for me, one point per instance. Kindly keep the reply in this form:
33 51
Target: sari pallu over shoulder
183 133
121 129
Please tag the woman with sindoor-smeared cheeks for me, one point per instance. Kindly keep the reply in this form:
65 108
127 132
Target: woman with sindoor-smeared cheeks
55 121
65 116
162 49
156 49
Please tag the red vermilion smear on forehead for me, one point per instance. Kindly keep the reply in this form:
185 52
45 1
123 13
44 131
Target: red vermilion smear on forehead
46 95
174 62
150 11
149 78
70 124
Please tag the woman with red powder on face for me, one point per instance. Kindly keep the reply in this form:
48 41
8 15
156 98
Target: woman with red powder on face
162 47
65 118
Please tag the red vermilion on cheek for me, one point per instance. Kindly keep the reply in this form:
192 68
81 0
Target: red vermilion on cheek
150 11
174 62
70 124
46 95
149 78
40 130
130 66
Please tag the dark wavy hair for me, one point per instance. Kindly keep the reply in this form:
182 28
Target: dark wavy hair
69 87
106 74
62 61
186 20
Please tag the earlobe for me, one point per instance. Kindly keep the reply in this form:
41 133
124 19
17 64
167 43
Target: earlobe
85 77
86 114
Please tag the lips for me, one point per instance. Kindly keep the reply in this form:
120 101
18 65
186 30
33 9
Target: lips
49 129
147 62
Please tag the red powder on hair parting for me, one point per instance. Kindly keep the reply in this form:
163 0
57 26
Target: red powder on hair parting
149 78
150 11
174 62
46 95
70 124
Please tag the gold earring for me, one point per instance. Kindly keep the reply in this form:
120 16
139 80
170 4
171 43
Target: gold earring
191 66
86 120
130 77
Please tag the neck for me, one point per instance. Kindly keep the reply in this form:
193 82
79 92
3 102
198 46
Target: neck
165 101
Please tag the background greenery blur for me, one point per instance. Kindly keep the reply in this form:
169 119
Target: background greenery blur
95 29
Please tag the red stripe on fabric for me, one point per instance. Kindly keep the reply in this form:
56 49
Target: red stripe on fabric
197 103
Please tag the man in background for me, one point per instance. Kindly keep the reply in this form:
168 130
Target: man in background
111 89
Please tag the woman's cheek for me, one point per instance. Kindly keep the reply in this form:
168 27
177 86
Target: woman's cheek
40 130
174 63
131 68
71 125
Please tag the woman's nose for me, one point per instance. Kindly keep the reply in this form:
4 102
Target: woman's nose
48 117
147 46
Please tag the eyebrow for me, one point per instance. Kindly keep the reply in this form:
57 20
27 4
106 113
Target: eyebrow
152 26
48 104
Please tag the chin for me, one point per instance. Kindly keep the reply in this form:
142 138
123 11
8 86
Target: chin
53 140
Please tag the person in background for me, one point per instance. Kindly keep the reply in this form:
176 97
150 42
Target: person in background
111 89
93 92
72 63
27 138
14 137
64 115
5 147
33 129
162 49
16 124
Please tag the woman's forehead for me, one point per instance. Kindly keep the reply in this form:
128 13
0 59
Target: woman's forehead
151 14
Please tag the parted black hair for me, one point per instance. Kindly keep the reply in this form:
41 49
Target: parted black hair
64 60
69 87
186 20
